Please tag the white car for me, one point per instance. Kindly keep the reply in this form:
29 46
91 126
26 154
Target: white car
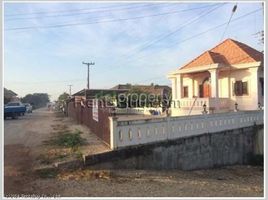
29 108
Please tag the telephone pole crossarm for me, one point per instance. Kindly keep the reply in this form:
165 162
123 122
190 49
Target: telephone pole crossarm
88 66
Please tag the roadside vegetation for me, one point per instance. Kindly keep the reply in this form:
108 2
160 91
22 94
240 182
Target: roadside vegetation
63 144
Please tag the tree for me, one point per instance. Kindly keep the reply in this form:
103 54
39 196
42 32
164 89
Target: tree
37 100
63 97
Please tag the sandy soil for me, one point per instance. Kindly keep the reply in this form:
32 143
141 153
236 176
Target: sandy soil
24 144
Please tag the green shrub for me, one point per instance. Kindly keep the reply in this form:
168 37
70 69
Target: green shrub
69 139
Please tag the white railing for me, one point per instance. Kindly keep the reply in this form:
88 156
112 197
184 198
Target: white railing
210 102
134 132
144 111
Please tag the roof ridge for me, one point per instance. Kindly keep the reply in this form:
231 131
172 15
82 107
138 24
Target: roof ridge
205 52
211 57
228 39
237 43
222 53
210 50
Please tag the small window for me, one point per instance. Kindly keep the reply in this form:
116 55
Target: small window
185 91
240 88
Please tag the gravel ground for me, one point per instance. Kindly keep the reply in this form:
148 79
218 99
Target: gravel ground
235 181
24 143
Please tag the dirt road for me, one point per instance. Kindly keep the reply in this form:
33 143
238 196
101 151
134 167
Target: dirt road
24 142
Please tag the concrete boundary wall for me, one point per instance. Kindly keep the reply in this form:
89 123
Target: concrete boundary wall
188 153
126 133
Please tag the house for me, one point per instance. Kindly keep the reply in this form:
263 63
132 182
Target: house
9 95
227 77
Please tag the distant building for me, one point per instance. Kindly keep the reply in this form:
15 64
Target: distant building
93 93
9 95
224 78
161 90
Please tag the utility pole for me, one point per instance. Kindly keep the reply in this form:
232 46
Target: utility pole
70 89
88 65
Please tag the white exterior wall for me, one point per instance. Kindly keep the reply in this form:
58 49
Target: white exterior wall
224 85
188 81
134 132
250 101
226 80
174 88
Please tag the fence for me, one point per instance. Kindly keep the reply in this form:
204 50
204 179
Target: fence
140 111
133 132
84 115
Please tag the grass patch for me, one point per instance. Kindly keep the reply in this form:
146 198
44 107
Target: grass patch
64 144
47 173
69 139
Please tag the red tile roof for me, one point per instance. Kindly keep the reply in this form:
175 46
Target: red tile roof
228 52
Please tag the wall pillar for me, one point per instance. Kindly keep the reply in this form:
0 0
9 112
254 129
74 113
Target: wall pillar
113 133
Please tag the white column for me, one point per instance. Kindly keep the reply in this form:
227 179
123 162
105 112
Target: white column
215 87
193 88
179 86
214 83
253 89
174 88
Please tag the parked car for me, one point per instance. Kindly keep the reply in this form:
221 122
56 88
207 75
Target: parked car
14 109
29 108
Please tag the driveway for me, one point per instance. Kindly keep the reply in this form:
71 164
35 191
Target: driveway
29 130
21 137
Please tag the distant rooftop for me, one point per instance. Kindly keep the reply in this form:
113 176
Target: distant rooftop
9 93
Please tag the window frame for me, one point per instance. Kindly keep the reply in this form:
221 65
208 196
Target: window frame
241 88
183 91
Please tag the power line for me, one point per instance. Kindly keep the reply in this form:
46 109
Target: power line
65 11
46 82
164 36
156 40
218 26
178 29
242 59
206 31
97 22
215 27
79 13
233 11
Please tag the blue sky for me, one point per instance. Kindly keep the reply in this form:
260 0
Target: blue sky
129 42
